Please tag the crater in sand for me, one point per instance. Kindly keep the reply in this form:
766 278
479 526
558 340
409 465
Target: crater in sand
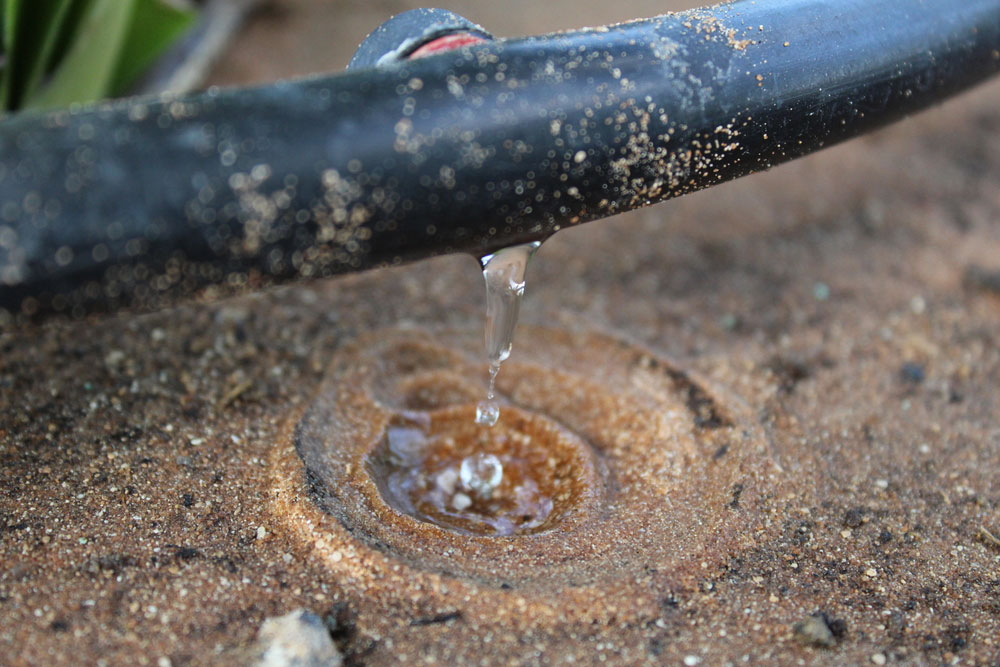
621 472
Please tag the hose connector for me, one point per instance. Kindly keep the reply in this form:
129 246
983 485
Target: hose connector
415 34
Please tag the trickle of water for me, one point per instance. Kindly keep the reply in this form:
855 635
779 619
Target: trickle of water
504 273
488 411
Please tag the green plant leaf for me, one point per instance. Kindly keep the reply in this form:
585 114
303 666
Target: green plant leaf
67 33
88 68
56 52
36 35
11 14
24 37
45 38
11 11
155 26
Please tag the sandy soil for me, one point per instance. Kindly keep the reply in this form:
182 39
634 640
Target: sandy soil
154 509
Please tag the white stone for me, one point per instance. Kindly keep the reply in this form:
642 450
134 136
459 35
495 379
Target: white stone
296 639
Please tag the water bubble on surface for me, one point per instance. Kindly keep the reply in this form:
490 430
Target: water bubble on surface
460 501
481 474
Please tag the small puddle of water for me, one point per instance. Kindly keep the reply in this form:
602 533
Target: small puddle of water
465 477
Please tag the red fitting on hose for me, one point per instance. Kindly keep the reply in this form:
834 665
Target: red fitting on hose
446 43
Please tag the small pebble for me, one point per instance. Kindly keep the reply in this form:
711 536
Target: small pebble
878 659
853 518
297 639
983 279
114 357
912 373
813 630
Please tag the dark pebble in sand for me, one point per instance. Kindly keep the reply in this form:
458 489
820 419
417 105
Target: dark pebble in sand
912 373
977 277
853 517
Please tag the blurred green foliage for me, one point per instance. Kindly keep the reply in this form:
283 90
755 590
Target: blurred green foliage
56 52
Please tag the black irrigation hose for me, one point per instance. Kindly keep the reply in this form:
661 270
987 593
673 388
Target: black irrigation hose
141 202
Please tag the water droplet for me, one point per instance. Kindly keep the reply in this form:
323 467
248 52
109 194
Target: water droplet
487 413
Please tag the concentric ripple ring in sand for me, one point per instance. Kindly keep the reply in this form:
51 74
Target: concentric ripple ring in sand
637 476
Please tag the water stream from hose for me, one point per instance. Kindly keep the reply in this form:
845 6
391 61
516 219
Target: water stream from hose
504 274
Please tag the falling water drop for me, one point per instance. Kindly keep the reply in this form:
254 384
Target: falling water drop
504 273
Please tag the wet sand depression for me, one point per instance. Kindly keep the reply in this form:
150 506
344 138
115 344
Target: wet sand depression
784 388
658 474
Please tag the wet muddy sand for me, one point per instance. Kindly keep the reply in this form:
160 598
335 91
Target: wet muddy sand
768 406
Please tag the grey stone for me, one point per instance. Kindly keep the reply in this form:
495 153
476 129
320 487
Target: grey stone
814 631
297 639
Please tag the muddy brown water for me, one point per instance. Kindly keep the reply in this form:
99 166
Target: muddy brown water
772 399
